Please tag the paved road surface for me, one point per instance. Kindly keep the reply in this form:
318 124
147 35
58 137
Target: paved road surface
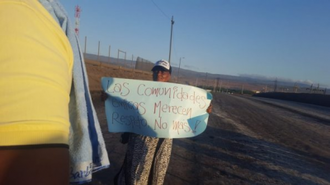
248 141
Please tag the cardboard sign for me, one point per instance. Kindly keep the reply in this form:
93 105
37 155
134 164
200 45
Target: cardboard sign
156 109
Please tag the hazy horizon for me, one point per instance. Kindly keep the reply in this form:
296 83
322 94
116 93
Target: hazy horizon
285 39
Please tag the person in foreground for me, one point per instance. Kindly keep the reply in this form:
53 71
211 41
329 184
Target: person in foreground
147 158
35 78
37 62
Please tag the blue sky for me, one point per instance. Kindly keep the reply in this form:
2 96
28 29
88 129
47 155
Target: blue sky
284 39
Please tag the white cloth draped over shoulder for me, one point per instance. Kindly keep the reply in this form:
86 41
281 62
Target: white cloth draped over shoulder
87 148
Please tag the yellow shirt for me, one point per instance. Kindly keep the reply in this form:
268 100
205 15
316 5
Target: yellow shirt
35 75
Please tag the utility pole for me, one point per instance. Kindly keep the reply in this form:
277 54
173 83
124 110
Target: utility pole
177 79
205 81
220 86
120 51
169 57
215 85
217 88
275 86
109 52
132 61
98 52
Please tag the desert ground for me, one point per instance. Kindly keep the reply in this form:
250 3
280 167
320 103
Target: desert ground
248 140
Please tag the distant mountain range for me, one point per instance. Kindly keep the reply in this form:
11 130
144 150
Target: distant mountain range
242 79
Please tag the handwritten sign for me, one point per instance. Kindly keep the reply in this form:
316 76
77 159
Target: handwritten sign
156 109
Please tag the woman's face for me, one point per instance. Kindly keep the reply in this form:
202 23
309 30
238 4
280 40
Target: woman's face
161 75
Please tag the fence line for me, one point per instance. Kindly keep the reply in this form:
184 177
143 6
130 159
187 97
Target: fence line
145 65
140 63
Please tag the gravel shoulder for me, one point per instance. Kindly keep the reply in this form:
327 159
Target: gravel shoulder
247 141
251 142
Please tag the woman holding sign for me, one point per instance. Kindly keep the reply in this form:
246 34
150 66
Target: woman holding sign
147 158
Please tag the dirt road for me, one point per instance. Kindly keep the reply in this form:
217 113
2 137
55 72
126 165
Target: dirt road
247 141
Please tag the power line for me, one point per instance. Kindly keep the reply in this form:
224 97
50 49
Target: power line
161 10
172 22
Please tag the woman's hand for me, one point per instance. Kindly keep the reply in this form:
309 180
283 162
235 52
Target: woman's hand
209 109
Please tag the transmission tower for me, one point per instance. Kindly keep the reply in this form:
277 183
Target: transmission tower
77 19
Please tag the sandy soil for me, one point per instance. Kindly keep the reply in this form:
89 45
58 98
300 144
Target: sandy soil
248 141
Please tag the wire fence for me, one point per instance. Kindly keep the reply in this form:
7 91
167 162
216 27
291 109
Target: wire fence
120 58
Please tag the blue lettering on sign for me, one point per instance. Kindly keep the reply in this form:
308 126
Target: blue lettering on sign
164 110
81 173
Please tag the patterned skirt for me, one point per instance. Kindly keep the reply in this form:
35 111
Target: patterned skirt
146 161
